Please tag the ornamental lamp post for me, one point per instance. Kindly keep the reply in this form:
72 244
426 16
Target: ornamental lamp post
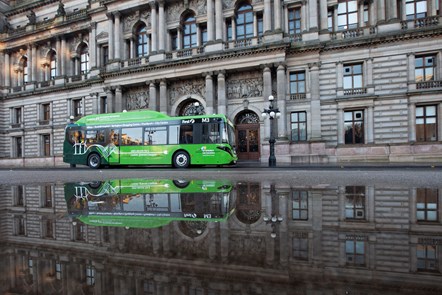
272 112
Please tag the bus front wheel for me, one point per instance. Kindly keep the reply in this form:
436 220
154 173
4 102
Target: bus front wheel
181 159
94 161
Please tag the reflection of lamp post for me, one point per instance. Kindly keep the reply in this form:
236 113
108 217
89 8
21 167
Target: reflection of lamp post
272 112
274 219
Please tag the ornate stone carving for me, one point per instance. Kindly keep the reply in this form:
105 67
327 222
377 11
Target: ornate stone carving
244 85
186 88
137 99
174 11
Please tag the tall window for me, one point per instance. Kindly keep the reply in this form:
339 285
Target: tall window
300 246
355 202
354 126
104 55
77 105
353 76
347 14
203 29
90 275
427 258
244 22
45 112
426 123
103 105
425 68
295 21
17 116
53 65
427 205
46 142
229 30
297 83
46 192
355 252
260 24
300 205
416 9
58 270
19 196
142 41
18 142
189 32
24 64
49 228
174 40
84 60
298 126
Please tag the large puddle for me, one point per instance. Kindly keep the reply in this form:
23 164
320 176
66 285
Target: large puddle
184 236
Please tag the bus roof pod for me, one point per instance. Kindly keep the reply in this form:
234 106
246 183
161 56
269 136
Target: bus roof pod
131 116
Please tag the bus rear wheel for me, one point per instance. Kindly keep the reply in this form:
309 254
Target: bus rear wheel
94 161
181 159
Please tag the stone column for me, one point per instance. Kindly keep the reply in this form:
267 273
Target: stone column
209 94
381 11
267 91
162 26
93 45
411 68
313 15
277 14
404 11
339 78
152 96
281 82
163 97
117 32
7 69
439 131
323 15
110 99
219 20
59 56
110 29
95 103
210 20
304 23
154 25
361 14
119 99
315 104
440 7
31 63
222 108
267 16
63 56
392 10
373 12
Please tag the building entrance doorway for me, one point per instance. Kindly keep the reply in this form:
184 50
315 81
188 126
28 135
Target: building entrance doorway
247 136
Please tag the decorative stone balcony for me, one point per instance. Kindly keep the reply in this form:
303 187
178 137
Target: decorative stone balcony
429 84
420 22
355 91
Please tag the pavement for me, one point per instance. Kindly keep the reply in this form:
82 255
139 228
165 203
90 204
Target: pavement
343 165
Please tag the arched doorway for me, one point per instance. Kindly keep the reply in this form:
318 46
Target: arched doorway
190 107
247 136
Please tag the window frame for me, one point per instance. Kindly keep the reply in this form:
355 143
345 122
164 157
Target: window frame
353 121
190 32
354 74
243 13
142 46
426 124
294 20
297 123
344 12
414 5
424 67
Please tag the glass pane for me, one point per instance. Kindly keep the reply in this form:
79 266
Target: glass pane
342 21
432 216
352 6
429 74
360 247
348 82
348 116
301 87
302 116
419 62
419 111
409 8
348 246
342 8
249 17
294 117
295 214
419 75
357 69
420 215
421 7
353 18
357 82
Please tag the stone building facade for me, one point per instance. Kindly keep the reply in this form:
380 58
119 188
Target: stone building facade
354 80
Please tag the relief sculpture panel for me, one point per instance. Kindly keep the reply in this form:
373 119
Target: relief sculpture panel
186 88
137 98
244 85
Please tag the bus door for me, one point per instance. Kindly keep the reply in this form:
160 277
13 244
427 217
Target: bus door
113 146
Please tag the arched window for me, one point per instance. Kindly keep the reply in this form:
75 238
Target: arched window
142 41
24 64
189 32
244 22
84 59
53 65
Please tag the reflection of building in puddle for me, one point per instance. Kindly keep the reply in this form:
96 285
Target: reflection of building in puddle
351 239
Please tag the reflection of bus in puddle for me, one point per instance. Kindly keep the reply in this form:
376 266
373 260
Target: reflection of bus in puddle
149 203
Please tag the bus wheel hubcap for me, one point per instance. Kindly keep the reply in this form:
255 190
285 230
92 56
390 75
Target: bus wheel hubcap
181 160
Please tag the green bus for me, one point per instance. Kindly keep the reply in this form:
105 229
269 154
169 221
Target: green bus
149 138
149 203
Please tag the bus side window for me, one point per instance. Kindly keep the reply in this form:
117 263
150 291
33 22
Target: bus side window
186 134
114 137
76 136
173 134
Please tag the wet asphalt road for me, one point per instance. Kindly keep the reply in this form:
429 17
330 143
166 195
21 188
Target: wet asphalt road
315 176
